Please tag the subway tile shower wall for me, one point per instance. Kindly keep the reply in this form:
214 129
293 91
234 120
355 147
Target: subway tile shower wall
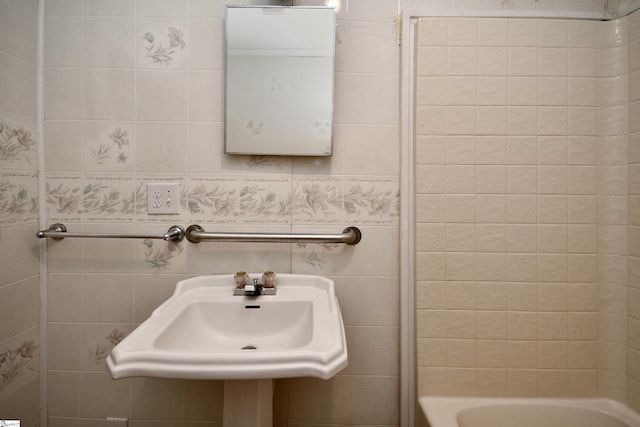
527 211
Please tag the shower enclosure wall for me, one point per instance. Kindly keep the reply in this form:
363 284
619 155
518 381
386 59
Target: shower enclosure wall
527 196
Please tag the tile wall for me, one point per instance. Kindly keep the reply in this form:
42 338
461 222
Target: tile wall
633 304
115 113
526 134
19 278
612 127
134 94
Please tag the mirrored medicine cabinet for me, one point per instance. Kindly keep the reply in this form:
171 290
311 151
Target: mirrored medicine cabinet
279 80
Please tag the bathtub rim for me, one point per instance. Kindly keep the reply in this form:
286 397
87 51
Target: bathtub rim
442 411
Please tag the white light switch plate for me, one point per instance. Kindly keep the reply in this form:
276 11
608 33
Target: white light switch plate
163 198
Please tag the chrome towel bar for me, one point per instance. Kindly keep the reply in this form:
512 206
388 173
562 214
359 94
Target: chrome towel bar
59 232
197 234
350 236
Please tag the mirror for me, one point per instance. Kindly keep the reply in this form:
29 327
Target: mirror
279 80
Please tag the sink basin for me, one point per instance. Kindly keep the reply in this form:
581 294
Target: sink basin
204 332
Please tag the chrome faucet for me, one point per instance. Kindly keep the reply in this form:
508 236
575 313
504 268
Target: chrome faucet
252 289
247 287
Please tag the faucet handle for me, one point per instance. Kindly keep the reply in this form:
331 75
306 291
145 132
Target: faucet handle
269 279
241 278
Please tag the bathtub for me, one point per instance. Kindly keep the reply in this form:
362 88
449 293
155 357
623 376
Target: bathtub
522 412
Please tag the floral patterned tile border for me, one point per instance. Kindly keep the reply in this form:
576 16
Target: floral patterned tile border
356 200
109 198
64 198
317 200
372 201
104 198
18 197
235 199
229 199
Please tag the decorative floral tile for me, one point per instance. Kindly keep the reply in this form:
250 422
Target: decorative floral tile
162 43
98 341
109 198
19 358
312 258
17 145
317 200
109 146
253 199
64 198
372 200
265 162
161 257
18 197
256 164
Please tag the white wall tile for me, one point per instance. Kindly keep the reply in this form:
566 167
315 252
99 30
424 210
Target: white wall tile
206 89
64 8
493 32
433 32
63 45
100 395
206 50
582 33
21 314
370 150
367 10
162 95
371 47
64 388
553 61
17 86
370 99
64 297
581 209
111 8
162 8
108 94
17 29
552 90
18 248
107 299
108 42
523 32
462 61
553 33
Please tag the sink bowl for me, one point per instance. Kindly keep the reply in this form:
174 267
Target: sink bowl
204 332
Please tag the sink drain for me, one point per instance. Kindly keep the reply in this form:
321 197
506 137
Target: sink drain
249 347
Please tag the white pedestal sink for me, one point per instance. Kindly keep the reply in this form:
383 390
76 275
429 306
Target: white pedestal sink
204 332
248 403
